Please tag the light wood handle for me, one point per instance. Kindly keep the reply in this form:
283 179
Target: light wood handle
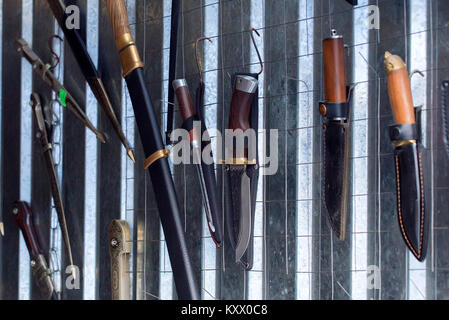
334 70
129 55
119 17
399 90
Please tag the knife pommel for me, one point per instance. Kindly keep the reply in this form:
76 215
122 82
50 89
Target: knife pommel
334 68
242 98
399 89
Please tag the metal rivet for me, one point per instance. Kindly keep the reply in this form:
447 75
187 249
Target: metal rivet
323 110
15 211
114 243
33 263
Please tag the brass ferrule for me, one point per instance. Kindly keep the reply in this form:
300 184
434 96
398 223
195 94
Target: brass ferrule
239 161
129 55
401 143
393 62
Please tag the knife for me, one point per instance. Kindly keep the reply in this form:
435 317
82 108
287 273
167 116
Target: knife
43 126
243 94
65 98
76 42
335 111
410 188
120 251
39 266
206 173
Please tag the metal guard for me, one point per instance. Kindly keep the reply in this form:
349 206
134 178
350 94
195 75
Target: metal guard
411 204
403 132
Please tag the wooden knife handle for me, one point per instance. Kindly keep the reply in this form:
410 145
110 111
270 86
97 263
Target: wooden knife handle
185 104
129 55
399 89
24 219
334 69
242 98
184 99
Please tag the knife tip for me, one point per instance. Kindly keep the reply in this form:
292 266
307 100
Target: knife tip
131 155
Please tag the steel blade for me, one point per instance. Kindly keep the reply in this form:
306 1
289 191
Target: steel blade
336 153
410 199
244 235
196 154
97 87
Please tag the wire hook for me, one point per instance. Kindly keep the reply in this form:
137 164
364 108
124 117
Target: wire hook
257 49
54 54
198 63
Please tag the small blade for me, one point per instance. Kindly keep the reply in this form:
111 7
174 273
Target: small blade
245 218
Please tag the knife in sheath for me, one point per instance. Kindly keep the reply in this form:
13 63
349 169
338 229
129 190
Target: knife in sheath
239 167
44 134
76 42
206 172
39 266
408 158
119 250
335 111
64 97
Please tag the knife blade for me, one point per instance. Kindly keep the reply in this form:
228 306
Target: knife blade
205 172
335 112
47 148
241 101
39 267
408 158
51 80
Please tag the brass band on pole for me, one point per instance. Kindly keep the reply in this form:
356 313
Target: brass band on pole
129 55
239 161
155 156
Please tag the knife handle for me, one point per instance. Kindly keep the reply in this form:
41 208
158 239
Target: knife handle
129 55
120 251
399 89
185 104
334 69
242 98
24 220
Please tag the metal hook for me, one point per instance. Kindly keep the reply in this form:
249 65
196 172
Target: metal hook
55 55
416 72
198 63
257 49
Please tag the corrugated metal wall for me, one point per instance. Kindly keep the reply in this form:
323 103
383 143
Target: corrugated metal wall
296 256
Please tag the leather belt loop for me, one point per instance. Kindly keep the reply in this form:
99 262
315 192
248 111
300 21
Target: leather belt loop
155 156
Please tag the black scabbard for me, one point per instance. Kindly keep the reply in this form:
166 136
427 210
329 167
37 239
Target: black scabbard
164 189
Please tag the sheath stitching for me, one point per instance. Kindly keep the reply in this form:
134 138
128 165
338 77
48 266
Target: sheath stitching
421 228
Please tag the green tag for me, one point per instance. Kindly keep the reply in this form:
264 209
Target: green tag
62 96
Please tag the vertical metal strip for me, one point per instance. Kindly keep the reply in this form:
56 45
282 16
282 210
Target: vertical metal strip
418 60
305 205
43 27
25 146
127 166
359 234
90 180
74 170
256 275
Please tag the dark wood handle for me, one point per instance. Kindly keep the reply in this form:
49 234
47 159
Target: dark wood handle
399 90
240 110
184 102
119 17
334 70
24 219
